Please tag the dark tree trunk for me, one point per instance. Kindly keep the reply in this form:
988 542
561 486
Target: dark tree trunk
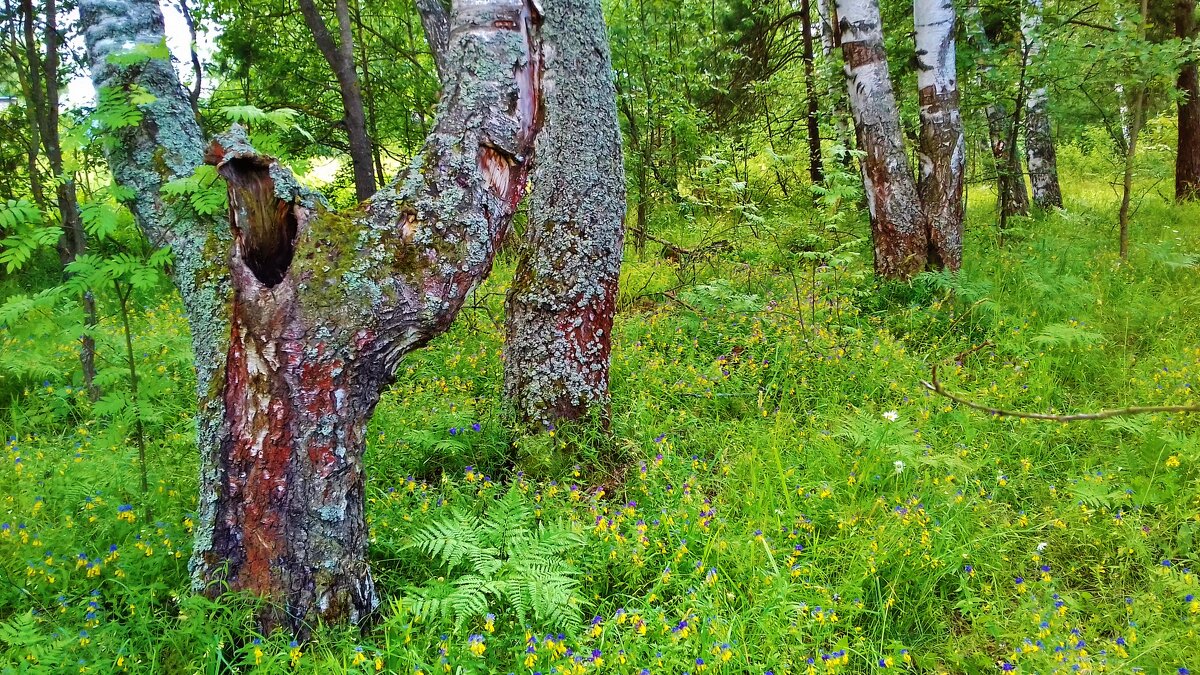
1041 156
340 57
562 299
940 182
1187 160
897 223
816 171
300 316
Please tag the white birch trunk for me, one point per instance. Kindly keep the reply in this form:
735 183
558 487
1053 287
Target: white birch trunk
1039 143
897 224
940 183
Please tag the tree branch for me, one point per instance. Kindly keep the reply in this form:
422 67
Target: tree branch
436 21
934 385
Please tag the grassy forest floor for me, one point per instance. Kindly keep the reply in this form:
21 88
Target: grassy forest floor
779 493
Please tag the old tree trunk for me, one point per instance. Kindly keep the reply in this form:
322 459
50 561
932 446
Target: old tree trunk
299 315
897 223
561 302
940 182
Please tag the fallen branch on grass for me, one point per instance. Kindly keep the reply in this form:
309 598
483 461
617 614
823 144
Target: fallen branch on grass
936 387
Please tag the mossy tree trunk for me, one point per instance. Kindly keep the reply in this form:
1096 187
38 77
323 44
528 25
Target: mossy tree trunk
940 181
300 316
898 230
561 303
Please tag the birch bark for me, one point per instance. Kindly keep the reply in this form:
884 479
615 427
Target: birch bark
898 230
940 181
300 316
1039 141
1011 194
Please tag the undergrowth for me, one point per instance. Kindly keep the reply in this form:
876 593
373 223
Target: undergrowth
779 492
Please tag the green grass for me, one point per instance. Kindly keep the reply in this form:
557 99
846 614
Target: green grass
756 508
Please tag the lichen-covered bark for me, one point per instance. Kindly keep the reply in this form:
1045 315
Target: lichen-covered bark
1040 154
940 181
561 303
166 145
1011 194
310 311
897 223
1187 160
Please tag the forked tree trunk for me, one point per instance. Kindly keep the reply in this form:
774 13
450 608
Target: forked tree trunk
940 182
339 55
561 302
300 316
1039 141
897 224
1011 194
1187 160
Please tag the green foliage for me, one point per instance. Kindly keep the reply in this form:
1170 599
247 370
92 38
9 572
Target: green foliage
203 191
503 556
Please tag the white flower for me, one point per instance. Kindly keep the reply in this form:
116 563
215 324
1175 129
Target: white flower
899 464
1041 546
891 415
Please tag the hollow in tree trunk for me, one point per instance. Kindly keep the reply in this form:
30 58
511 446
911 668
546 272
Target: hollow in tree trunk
561 302
940 181
897 224
299 315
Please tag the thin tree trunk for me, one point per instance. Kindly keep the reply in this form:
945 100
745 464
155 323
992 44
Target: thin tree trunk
1137 115
1187 160
561 302
300 316
197 70
839 109
340 57
816 171
897 225
1011 194
940 183
1039 141
74 240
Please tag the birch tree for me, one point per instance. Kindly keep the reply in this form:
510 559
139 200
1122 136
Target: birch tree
897 223
1011 193
563 296
1039 141
940 181
300 315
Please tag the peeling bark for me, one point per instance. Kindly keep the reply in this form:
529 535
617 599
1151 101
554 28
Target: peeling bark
1011 194
897 224
940 182
1039 141
300 316
561 303
1187 160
